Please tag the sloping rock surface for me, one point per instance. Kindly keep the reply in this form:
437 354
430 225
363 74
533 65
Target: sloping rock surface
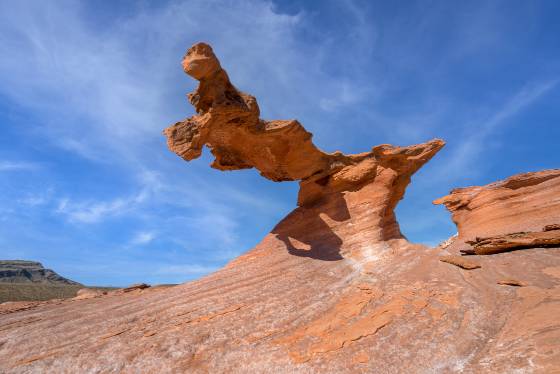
20 271
334 288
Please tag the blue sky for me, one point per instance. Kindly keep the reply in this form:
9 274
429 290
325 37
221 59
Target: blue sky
88 187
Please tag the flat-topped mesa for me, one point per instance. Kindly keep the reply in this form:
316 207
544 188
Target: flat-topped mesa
228 123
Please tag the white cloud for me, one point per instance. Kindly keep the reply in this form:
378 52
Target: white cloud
37 199
143 237
344 95
17 166
91 211
94 211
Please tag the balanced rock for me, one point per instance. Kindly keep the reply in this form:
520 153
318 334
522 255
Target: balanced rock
333 288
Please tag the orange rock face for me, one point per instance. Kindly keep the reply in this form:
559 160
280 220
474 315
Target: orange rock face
523 202
334 288
228 123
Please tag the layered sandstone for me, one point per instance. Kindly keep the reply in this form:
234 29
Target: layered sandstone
516 240
334 288
518 212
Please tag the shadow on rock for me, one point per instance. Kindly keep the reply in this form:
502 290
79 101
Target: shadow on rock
306 234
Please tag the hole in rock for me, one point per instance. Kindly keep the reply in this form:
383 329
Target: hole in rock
249 204
420 221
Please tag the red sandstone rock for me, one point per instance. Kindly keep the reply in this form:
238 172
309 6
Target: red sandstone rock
510 242
134 287
88 293
511 282
228 123
334 288
552 227
523 202
460 261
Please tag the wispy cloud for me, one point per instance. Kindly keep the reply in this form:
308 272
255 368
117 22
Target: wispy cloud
466 151
18 165
94 211
517 103
143 237
36 199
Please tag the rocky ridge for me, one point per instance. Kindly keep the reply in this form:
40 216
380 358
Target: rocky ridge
334 287
20 271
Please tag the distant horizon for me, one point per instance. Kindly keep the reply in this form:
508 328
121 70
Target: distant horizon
89 189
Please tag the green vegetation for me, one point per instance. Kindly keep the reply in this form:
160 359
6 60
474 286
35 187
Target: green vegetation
39 291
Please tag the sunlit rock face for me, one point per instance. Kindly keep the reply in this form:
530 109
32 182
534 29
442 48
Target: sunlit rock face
523 202
333 288
360 191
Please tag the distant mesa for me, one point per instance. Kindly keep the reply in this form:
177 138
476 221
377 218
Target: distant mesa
21 271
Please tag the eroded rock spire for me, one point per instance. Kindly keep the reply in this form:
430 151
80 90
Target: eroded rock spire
228 123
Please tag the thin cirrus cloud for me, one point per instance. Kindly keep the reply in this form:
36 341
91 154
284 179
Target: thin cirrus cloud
18 166
466 151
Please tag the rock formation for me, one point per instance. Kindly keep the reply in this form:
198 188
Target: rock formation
517 240
366 186
20 271
461 261
334 288
521 211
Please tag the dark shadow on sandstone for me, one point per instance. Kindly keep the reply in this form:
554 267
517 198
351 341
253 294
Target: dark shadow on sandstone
306 234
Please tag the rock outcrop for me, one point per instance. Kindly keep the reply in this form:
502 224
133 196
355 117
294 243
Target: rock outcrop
334 288
523 202
20 271
461 261
511 242
521 211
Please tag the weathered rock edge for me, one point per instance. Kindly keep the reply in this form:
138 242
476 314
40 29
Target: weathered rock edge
514 241
520 212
